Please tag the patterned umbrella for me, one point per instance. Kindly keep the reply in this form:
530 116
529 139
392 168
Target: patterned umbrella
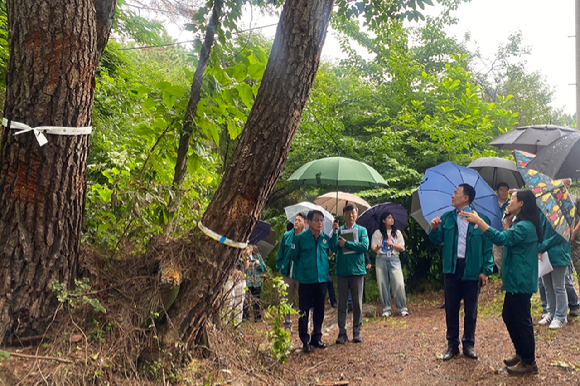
552 197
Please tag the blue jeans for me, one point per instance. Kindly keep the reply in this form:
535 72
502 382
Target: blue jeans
555 286
570 291
390 281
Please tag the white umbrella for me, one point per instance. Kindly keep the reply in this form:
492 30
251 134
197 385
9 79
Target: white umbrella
305 207
334 202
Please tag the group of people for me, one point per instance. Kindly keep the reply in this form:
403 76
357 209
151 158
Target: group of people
471 247
468 259
303 262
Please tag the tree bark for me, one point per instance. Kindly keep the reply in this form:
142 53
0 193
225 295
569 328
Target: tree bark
256 163
55 47
194 98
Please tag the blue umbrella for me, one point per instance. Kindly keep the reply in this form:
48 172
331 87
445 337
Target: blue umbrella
439 183
260 232
371 218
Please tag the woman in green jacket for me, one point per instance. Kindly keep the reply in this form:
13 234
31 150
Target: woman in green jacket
519 272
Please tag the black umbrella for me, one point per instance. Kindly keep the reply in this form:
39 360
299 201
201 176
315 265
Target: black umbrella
371 218
495 170
530 138
561 159
260 232
417 213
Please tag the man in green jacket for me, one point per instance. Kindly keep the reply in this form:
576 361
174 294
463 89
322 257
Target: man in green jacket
467 262
350 270
284 262
310 257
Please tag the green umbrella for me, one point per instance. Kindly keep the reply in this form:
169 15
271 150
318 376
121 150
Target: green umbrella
337 171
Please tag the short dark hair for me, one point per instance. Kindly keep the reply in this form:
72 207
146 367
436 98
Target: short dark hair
350 207
311 214
468 191
301 215
500 184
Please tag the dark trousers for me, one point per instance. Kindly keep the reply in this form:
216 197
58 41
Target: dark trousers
518 320
456 289
311 294
253 297
331 294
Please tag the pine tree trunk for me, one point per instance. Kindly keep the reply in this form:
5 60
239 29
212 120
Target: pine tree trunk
55 47
257 162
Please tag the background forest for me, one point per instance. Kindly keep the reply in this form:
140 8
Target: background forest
414 104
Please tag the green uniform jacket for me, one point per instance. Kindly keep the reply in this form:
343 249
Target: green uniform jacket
284 263
310 257
557 247
352 263
478 249
503 207
519 267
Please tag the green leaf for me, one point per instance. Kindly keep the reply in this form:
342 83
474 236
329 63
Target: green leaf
245 91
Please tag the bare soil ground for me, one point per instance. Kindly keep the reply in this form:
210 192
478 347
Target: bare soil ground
407 350
395 351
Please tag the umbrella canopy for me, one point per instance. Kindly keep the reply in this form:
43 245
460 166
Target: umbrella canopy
261 231
440 182
334 202
417 212
560 159
266 245
337 171
552 197
495 170
305 207
530 138
371 218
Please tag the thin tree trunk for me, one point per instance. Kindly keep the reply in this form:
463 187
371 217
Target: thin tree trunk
194 98
55 47
256 163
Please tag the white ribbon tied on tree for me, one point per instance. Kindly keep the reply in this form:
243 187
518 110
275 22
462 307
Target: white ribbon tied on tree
38 131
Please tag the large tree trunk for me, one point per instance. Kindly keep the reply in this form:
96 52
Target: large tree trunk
194 98
55 47
257 161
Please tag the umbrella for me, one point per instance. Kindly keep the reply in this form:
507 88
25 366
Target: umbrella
261 231
552 197
337 171
266 245
530 138
560 159
371 218
305 207
495 170
439 184
334 202
416 211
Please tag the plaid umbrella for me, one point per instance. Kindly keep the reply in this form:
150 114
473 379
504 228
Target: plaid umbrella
552 197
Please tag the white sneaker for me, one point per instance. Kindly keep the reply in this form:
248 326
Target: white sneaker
386 314
404 313
556 324
546 319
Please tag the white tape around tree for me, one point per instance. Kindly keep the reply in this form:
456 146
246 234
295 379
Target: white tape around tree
220 238
38 131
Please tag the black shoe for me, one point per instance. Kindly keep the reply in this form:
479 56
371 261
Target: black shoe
469 352
318 344
333 305
450 354
306 348
356 339
342 339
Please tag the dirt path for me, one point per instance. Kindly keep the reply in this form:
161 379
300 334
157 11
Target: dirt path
406 350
